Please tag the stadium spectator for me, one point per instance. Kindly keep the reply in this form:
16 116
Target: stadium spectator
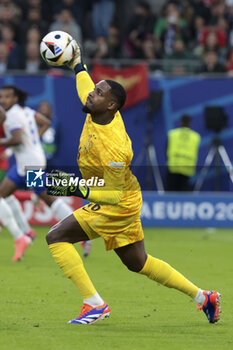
109 47
13 49
217 10
32 63
152 51
34 20
152 48
4 63
77 9
170 10
102 16
66 23
210 64
180 53
211 44
220 33
10 13
182 155
34 3
101 48
187 12
201 9
33 35
222 24
140 27
173 32
114 42
191 21
230 58
46 8
148 49
196 32
229 14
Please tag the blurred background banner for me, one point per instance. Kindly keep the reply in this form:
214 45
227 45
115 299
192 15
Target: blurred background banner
134 79
187 210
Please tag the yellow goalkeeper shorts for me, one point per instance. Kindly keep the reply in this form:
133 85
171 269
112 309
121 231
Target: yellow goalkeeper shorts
117 226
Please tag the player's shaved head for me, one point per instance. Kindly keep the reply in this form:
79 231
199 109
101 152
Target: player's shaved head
118 92
104 101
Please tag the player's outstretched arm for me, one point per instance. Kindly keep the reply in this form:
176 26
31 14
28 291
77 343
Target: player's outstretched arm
84 83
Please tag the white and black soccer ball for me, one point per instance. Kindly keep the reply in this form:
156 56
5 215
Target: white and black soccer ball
56 48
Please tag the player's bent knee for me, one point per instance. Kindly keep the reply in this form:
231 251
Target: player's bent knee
53 235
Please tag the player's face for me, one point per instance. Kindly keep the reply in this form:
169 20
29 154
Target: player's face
100 99
7 98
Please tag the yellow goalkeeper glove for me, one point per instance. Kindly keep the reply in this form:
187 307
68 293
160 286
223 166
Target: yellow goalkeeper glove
76 64
60 185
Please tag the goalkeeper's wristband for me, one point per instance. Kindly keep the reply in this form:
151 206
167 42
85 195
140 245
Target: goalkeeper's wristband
79 68
78 191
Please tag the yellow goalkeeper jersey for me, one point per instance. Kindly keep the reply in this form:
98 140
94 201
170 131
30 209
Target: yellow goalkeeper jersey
105 152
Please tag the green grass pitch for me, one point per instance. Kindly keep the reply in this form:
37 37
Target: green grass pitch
37 300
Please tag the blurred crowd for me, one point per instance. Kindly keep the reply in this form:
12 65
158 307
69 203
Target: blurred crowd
180 32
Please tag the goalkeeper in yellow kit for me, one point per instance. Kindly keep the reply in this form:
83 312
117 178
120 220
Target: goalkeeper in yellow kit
114 211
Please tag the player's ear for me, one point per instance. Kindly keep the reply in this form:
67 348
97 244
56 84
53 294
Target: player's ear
112 106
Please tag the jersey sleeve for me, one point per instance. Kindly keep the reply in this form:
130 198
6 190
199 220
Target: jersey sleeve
13 122
84 85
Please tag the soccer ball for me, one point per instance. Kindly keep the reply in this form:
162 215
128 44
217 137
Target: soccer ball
57 48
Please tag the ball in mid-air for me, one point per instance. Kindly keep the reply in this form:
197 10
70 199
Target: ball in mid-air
56 48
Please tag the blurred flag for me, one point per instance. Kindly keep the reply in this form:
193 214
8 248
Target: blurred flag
134 79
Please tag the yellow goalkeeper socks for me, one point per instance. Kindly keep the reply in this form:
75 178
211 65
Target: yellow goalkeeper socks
67 257
163 273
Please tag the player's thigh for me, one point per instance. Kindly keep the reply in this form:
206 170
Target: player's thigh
67 230
7 187
133 255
